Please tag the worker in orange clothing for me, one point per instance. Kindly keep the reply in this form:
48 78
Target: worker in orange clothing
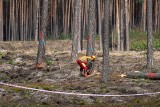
86 65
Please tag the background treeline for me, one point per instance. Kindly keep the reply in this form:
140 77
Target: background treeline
19 20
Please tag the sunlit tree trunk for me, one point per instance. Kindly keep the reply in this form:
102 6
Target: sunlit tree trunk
149 35
105 68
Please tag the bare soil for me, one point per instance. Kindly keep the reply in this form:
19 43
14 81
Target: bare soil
17 60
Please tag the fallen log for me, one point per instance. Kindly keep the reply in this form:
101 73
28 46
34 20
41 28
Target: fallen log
145 75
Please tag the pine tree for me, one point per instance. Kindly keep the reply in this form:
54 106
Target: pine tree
149 35
105 68
35 18
91 28
76 29
44 21
1 20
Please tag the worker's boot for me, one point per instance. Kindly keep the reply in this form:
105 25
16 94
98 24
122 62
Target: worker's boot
85 73
81 72
91 72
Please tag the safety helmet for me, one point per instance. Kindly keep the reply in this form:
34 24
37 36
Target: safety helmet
93 57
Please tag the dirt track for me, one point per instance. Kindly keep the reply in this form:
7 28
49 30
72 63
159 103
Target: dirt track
16 67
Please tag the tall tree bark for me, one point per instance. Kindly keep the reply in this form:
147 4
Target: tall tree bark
99 25
144 16
127 25
79 24
118 25
122 26
156 15
149 35
35 18
1 20
105 68
43 33
92 28
77 29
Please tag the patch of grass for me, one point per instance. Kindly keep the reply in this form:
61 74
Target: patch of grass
44 86
15 90
152 102
79 101
103 90
1 54
49 62
11 62
30 103
156 43
1 62
63 36
141 80
154 69
139 45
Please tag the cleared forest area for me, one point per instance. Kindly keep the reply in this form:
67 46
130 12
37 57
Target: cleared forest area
61 74
41 42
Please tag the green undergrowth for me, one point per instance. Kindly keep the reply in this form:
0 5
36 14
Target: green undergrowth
138 40
49 62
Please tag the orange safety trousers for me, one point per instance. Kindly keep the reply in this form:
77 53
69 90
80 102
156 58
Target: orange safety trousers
82 64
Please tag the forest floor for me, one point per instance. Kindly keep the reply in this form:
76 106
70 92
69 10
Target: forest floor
17 60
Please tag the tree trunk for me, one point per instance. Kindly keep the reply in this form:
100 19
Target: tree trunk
127 25
43 33
77 29
1 20
156 14
144 16
133 14
118 25
129 13
122 26
35 18
79 24
91 29
149 35
100 25
105 68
